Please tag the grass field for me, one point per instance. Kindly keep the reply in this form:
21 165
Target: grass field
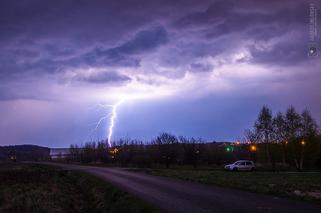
296 185
38 188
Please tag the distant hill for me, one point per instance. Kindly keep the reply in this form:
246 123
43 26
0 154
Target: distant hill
24 153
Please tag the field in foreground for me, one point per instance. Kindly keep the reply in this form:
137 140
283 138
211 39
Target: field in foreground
297 185
39 188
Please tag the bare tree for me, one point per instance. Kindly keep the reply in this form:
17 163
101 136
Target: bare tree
166 143
251 136
191 149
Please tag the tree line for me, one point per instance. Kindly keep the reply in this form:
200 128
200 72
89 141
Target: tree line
286 139
297 134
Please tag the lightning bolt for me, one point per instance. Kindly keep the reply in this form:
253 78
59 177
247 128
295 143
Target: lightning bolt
135 92
112 120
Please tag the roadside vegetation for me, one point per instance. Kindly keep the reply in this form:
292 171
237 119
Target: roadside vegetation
297 185
39 188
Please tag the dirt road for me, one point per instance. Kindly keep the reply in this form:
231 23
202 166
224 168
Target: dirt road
173 195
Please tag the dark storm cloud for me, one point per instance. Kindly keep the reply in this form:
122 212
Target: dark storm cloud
285 53
103 78
253 22
214 13
47 37
49 58
126 54
235 15
200 67
242 22
85 21
44 37
50 37
143 41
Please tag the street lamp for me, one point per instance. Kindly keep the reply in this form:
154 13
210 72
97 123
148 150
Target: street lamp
253 148
303 143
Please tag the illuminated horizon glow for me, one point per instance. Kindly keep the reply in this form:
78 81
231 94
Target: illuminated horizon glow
139 90
133 91
123 98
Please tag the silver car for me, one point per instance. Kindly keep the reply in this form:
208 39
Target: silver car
241 165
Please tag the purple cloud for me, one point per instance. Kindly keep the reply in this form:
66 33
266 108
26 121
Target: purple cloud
183 52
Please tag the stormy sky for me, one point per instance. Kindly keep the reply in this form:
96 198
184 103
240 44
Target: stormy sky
188 67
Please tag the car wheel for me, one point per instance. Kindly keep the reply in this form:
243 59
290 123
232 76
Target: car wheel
252 169
235 169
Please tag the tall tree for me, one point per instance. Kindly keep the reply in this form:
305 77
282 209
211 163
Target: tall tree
264 130
309 131
293 123
308 125
293 133
279 133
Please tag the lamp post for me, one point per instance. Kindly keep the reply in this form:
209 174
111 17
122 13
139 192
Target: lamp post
284 148
303 143
253 149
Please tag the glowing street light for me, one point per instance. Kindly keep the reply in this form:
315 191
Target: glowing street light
114 151
253 148
303 143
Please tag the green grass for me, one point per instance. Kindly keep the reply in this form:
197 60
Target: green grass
296 185
39 188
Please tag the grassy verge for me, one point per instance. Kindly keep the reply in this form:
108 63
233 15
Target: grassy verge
39 188
296 185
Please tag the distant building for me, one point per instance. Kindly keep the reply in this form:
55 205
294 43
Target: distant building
56 153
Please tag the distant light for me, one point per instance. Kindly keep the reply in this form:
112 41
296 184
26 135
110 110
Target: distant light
302 142
253 148
229 149
114 151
